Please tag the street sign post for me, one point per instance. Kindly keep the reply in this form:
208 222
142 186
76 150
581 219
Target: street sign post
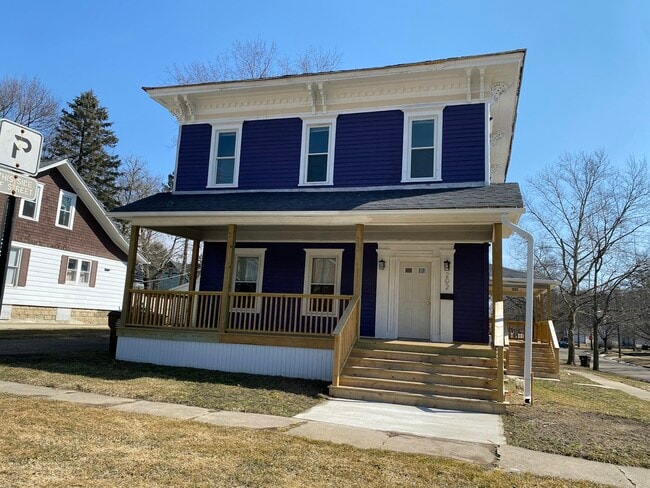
20 147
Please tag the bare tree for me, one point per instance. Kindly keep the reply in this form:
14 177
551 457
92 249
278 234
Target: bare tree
252 60
591 220
30 103
135 183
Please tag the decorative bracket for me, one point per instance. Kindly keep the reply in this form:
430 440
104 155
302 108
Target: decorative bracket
323 96
190 107
312 98
468 72
498 89
179 111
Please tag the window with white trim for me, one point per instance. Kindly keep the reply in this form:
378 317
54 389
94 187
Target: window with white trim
247 277
31 210
322 277
224 157
13 266
78 272
422 146
317 160
66 209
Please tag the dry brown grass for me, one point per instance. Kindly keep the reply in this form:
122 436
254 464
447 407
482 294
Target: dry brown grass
571 418
53 444
99 373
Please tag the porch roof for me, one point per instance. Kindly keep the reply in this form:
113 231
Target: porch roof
495 196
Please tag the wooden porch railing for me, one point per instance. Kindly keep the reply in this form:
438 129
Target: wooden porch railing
345 335
248 312
286 313
543 331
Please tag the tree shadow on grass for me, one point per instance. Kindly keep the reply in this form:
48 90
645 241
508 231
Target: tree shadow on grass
101 365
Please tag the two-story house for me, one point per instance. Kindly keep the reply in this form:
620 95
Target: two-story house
67 262
346 220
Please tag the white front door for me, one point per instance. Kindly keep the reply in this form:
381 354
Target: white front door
414 309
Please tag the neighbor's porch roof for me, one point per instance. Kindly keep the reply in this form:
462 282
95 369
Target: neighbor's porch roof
450 214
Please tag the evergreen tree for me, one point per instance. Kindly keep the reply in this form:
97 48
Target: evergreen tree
83 136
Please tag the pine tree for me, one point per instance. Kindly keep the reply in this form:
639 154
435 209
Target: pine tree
84 136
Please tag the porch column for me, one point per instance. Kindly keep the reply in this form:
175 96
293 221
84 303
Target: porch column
497 302
358 269
224 310
130 273
193 299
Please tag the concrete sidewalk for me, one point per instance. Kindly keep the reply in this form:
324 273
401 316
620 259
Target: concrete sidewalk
630 390
508 458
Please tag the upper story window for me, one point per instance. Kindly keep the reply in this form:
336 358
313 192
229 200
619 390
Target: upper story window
422 146
224 157
31 210
78 272
317 161
65 214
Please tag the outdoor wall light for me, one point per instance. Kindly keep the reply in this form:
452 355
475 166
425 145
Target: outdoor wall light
447 264
381 264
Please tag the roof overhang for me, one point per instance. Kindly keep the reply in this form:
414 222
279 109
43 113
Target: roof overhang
494 79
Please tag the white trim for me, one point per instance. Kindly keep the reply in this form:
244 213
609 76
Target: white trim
19 260
424 114
40 187
178 150
77 275
73 207
487 143
249 252
212 169
310 254
308 123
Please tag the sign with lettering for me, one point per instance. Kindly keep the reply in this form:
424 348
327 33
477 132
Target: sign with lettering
18 185
20 147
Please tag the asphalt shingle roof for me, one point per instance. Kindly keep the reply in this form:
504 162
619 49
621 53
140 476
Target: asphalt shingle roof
505 195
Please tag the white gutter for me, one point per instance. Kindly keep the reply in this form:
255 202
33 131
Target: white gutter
528 331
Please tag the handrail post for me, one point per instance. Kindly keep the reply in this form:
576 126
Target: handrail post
130 273
224 312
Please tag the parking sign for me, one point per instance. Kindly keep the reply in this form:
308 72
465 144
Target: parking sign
20 147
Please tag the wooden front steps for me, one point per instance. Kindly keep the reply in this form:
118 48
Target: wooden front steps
544 362
450 376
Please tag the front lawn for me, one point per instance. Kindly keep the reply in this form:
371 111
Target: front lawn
45 443
98 373
572 418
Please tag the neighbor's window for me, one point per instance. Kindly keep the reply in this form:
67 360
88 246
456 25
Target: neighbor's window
422 136
31 210
317 165
224 170
13 266
65 215
78 272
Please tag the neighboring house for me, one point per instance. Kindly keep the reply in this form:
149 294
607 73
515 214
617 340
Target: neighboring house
68 261
346 221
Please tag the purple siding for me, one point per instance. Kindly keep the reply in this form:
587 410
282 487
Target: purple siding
463 143
284 271
193 157
270 154
369 149
471 281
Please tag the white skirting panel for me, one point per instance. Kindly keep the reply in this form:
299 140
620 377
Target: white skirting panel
293 362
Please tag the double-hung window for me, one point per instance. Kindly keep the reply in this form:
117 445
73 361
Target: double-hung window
322 277
31 210
247 277
13 266
78 272
224 156
66 209
317 161
422 146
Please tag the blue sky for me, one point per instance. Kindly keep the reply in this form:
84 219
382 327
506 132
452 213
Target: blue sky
586 80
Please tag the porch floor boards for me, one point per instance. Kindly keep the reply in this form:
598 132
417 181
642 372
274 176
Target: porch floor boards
410 372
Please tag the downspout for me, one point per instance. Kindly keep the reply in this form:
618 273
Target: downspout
528 332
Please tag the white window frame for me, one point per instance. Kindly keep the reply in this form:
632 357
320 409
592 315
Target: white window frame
310 254
18 262
77 281
37 204
307 124
409 117
73 208
212 170
250 253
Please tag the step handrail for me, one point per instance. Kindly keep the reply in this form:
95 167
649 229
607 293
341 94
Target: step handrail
345 335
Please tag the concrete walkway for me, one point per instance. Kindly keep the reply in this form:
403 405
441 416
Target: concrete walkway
630 390
508 458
